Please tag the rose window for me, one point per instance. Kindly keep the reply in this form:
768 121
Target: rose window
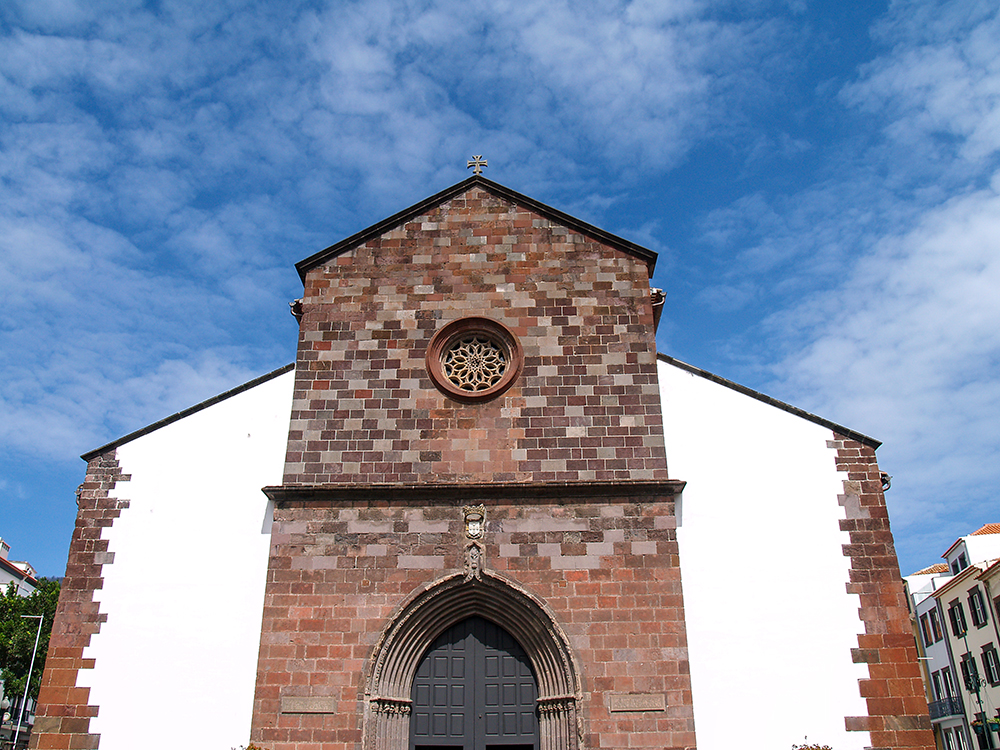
474 363
474 359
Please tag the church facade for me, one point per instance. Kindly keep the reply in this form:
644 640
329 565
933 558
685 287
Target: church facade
452 524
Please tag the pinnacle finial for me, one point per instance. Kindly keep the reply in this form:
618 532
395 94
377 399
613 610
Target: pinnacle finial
476 164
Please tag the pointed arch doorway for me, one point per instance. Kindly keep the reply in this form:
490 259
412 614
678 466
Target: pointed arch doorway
414 632
474 690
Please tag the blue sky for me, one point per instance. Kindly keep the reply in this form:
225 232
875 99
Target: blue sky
821 181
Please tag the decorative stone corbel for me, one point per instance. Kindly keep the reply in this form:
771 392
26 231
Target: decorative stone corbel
474 559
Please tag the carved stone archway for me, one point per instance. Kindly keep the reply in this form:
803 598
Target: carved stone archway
437 607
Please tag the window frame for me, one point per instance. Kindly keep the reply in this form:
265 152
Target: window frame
937 686
492 331
970 672
977 607
925 629
956 615
991 664
951 690
936 625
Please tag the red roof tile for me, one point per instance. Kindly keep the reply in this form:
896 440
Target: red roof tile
935 568
989 528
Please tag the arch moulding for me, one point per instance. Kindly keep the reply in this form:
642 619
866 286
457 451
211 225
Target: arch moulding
435 608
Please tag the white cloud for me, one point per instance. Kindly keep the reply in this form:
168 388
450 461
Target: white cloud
916 316
164 166
941 83
84 320
881 278
905 344
82 397
727 297
536 81
908 350
160 172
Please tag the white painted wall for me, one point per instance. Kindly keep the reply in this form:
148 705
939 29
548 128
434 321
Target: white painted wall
176 660
770 624
983 547
976 548
22 587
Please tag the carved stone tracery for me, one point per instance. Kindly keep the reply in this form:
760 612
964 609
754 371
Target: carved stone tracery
474 362
390 706
474 359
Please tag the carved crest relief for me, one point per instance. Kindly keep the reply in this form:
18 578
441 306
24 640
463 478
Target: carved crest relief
475 521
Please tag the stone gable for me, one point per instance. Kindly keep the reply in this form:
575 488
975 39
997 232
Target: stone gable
585 407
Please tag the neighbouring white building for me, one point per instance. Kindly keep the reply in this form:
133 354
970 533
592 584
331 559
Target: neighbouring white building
956 618
947 711
22 576
16 572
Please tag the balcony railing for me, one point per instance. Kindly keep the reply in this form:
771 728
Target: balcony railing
945 707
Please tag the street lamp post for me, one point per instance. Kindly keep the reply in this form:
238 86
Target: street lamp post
27 682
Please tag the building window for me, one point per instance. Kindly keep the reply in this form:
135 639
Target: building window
925 630
970 673
956 613
959 738
936 626
977 607
948 742
960 564
938 688
991 665
949 683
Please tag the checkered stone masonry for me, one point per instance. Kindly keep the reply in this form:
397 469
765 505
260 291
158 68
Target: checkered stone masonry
897 706
64 710
585 408
607 567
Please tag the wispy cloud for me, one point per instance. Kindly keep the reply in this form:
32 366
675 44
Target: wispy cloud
162 166
162 170
906 343
865 294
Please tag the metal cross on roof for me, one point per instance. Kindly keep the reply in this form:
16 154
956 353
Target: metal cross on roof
476 164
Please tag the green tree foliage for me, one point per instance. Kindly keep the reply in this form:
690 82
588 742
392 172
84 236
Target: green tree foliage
17 635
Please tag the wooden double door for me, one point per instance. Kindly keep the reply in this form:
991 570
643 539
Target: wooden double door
474 690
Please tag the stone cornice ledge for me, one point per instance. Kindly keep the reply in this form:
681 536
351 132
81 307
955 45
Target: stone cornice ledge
465 493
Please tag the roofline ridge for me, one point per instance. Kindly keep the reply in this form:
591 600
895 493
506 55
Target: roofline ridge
259 380
763 397
981 530
554 214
